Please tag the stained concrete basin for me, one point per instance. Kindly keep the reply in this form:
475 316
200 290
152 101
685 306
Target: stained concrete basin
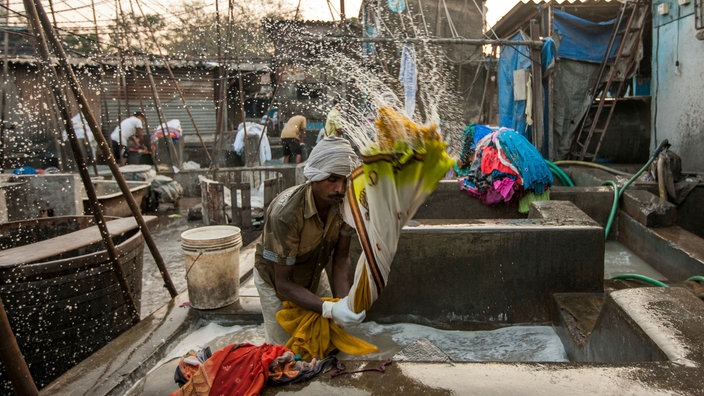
642 340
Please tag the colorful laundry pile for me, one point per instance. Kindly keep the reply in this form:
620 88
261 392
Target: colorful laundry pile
471 135
243 369
506 166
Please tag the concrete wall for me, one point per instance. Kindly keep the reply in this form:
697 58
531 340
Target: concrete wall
489 273
33 196
626 331
678 91
448 202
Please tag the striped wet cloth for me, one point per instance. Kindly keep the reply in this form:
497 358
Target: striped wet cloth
398 173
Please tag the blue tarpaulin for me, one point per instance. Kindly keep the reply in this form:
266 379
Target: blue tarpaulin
576 39
512 113
582 40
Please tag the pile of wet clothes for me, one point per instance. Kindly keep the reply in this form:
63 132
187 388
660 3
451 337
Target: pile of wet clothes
504 166
244 369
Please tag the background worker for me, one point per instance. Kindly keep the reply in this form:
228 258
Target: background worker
291 138
303 230
129 130
333 120
84 135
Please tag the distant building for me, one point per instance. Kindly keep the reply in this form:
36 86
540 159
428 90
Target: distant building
568 84
302 86
32 124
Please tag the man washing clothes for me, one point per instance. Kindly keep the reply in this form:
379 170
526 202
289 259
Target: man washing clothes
303 232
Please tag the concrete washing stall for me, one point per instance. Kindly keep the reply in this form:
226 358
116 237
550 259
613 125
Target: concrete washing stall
462 265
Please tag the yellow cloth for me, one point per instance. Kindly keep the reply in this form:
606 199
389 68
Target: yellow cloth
313 336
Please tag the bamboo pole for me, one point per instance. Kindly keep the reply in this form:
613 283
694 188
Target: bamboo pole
32 10
5 74
103 144
181 94
173 157
222 81
13 360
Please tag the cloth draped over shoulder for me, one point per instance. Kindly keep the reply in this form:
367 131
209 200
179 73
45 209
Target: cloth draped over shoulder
400 169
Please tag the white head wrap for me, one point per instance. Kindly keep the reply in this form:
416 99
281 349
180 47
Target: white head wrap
330 155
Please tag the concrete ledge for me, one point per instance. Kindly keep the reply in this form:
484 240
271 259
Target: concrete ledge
491 273
34 196
672 251
647 209
648 324
448 202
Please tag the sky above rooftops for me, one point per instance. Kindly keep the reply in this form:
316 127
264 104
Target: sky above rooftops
319 10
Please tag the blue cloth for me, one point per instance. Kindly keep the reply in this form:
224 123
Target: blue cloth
583 40
408 76
527 159
480 131
547 55
25 170
512 113
397 6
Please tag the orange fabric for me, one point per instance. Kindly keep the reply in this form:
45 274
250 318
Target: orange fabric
233 370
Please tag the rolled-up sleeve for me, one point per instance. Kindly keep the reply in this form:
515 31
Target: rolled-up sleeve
283 242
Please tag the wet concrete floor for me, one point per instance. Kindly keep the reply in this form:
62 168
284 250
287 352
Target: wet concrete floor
426 360
172 221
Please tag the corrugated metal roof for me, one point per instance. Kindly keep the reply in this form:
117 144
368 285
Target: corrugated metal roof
254 65
524 11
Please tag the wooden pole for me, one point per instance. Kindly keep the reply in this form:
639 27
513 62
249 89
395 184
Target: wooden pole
538 94
181 94
173 157
13 360
221 82
5 12
103 144
33 15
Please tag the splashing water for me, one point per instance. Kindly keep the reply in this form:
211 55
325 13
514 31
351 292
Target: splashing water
372 89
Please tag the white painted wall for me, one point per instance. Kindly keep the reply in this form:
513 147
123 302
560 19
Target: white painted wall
678 92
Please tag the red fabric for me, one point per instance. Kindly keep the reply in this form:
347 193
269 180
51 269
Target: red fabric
490 163
235 370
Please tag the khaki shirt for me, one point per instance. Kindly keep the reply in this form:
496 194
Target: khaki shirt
295 235
295 128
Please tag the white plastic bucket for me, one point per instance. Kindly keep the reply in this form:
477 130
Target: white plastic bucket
212 258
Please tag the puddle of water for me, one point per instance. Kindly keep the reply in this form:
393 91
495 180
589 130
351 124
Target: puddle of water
618 260
509 344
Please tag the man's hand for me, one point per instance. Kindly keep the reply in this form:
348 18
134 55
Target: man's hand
341 314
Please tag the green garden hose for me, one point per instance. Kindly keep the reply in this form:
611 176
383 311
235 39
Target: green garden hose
592 165
564 178
643 278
